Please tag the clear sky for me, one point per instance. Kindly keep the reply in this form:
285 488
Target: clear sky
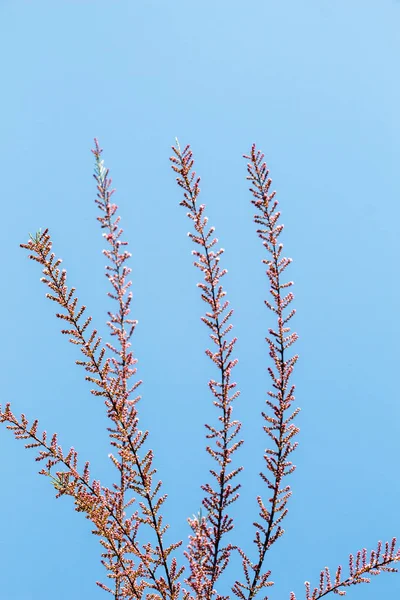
315 84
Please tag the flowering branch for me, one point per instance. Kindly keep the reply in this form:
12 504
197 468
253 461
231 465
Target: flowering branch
377 564
207 540
278 427
97 502
123 361
112 375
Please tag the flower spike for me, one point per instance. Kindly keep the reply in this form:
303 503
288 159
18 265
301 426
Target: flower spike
207 558
278 426
358 573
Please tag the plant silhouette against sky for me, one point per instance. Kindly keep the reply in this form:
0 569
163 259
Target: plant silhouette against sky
152 570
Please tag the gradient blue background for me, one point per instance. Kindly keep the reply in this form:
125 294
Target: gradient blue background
315 84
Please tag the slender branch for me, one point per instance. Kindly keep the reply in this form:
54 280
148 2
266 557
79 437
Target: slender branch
120 410
116 273
279 341
205 575
377 564
99 508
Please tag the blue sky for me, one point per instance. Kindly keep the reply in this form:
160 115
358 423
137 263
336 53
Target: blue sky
315 85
